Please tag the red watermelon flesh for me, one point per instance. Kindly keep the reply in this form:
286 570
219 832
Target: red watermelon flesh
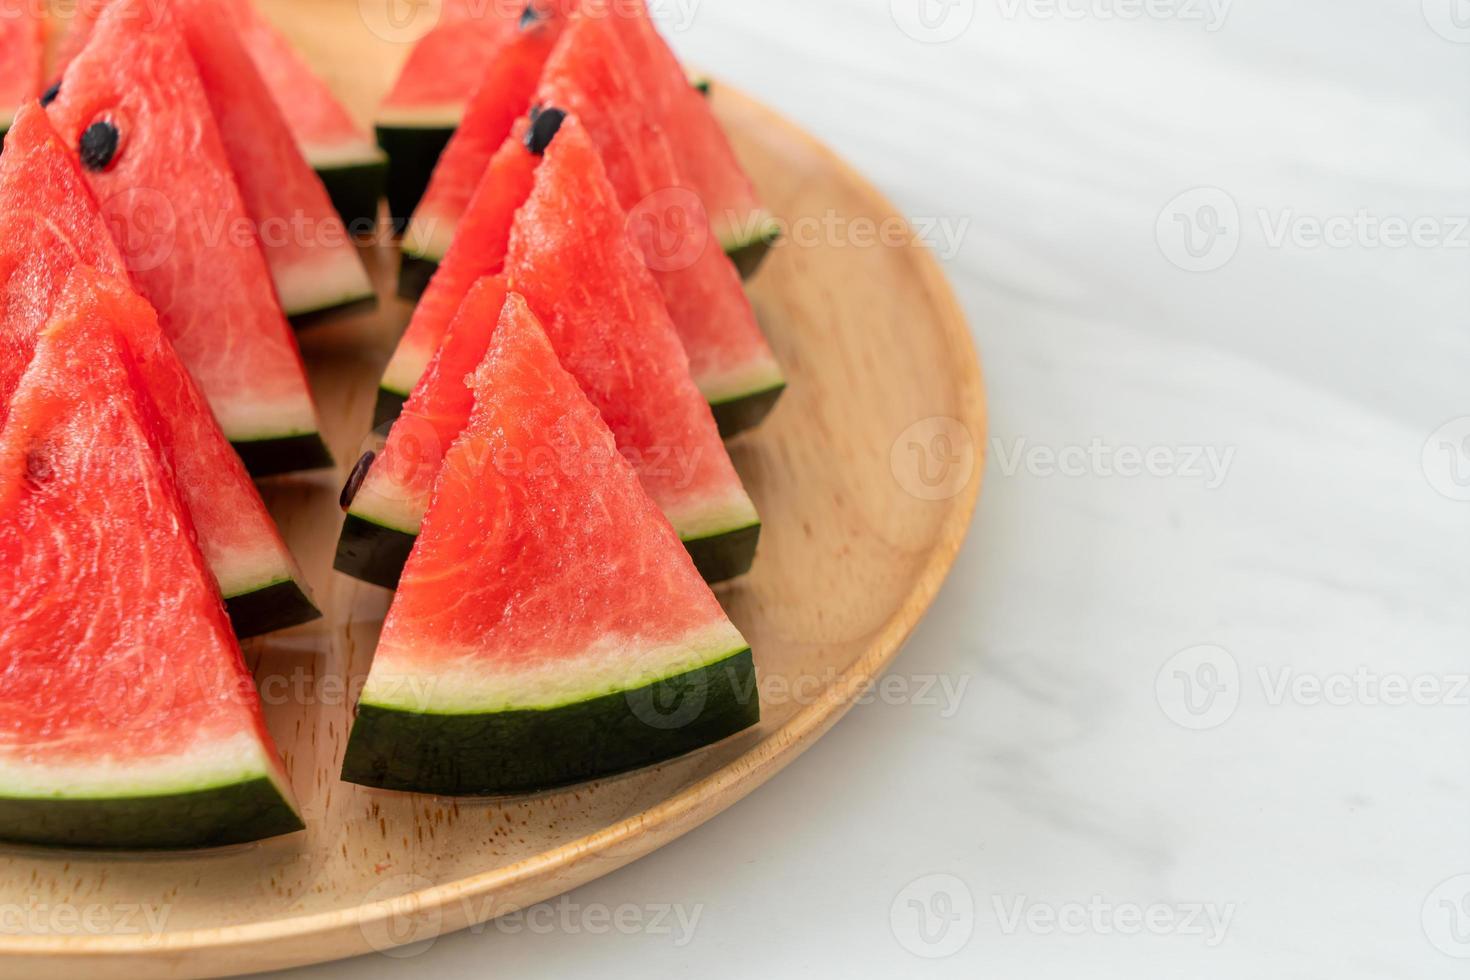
22 51
238 538
705 157
396 491
48 224
570 256
478 250
129 718
503 96
542 604
594 75
189 243
313 261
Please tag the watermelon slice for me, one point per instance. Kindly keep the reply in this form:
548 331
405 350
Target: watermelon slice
426 103
22 52
547 617
343 154
743 226
129 719
597 75
570 255
503 96
129 102
48 223
313 261
478 250
386 511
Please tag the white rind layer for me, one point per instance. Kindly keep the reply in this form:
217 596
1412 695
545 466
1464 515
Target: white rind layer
234 759
255 420
748 379
336 279
425 680
343 156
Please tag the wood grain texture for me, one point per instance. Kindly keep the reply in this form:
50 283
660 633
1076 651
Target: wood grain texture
854 549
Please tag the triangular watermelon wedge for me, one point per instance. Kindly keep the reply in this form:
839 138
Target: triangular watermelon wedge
549 629
341 152
570 255
49 223
129 719
503 96
596 75
386 510
571 258
22 53
189 243
421 111
314 262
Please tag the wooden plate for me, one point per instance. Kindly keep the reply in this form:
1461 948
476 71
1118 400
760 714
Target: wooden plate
866 476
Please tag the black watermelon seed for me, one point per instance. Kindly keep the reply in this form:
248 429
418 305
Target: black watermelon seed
355 478
530 16
98 145
49 96
545 123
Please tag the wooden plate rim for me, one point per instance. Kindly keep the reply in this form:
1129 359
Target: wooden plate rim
714 793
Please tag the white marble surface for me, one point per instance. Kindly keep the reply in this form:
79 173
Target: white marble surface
1316 829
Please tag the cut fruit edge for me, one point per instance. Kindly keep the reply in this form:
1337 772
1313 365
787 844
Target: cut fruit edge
410 681
312 289
229 792
530 751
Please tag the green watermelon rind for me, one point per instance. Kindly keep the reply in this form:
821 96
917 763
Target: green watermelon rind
278 604
274 455
412 151
736 415
371 552
371 549
519 751
749 249
355 185
235 812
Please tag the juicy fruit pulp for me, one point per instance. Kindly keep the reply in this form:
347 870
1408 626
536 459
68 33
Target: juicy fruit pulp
49 223
350 165
189 244
22 49
599 73
547 615
503 96
129 719
385 513
421 112
314 263
571 258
